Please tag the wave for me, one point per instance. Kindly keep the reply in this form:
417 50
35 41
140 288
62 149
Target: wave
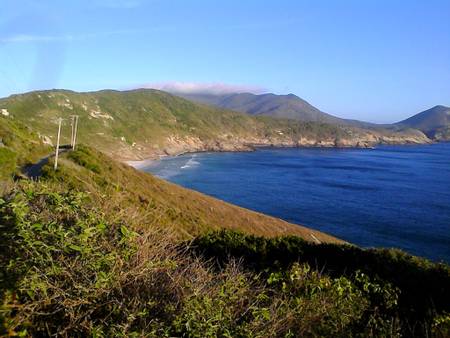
190 163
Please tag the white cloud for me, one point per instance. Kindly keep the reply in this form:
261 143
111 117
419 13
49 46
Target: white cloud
38 38
119 3
215 88
17 38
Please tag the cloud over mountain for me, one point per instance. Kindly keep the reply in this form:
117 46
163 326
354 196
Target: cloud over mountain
213 88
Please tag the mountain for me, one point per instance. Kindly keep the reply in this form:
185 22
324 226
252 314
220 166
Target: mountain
434 122
281 106
145 123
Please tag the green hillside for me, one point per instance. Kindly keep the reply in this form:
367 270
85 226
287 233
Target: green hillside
19 146
146 123
281 106
135 122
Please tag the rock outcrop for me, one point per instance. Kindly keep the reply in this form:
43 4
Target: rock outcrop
356 138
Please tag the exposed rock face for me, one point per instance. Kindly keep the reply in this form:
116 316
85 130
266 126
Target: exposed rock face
357 138
442 134
46 140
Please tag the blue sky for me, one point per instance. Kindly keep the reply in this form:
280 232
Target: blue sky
379 61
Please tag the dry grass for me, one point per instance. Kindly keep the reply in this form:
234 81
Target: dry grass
155 202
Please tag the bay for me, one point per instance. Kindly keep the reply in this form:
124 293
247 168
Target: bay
390 196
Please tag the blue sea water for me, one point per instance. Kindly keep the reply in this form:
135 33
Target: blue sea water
390 196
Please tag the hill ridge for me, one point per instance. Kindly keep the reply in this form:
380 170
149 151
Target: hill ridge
148 123
434 122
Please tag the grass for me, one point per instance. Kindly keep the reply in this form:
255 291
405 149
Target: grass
19 146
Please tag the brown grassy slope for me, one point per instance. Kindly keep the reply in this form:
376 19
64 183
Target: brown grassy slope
127 192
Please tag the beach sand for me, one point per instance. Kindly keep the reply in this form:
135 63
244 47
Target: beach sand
141 164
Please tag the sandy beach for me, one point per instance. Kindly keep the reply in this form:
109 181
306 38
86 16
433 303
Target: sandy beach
141 164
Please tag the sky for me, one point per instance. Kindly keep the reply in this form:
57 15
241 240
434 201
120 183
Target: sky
372 60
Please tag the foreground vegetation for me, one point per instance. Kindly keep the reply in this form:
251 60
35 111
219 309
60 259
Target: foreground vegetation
72 270
419 288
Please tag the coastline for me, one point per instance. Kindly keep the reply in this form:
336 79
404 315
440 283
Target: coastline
369 174
140 164
142 155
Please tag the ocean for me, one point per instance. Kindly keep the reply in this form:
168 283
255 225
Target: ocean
390 196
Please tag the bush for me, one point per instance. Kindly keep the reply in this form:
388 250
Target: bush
70 272
68 269
8 163
423 286
84 158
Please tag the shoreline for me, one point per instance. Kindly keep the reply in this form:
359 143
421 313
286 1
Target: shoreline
140 164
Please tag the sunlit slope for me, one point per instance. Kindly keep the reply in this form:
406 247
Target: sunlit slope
18 147
159 203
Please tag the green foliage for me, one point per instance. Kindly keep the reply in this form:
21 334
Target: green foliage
64 259
337 306
296 302
18 147
414 288
441 325
70 269
8 163
218 312
84 157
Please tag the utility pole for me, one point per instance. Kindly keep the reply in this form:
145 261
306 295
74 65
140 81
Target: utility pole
57 143
75 132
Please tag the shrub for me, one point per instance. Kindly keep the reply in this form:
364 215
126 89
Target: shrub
423 286
84 158
8 163
68 269
70 272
